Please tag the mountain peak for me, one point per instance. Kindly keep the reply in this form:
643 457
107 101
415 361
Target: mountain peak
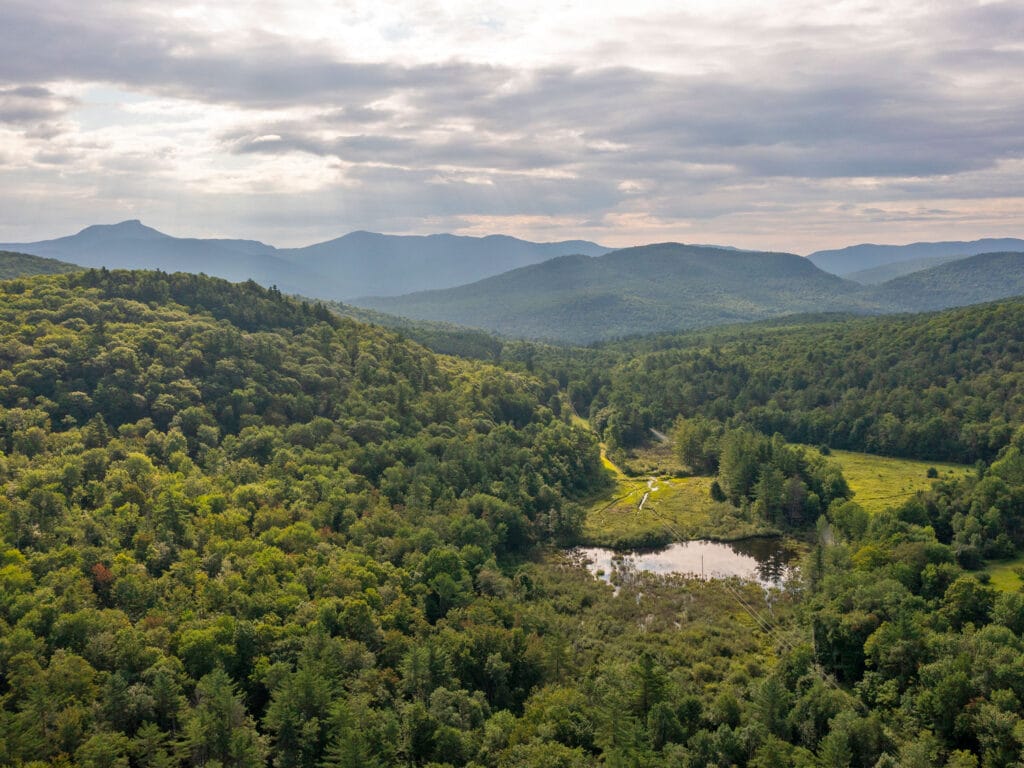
129 228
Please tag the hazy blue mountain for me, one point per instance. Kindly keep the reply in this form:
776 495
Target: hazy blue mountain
357 264
24 264
886 272
632 291
371 264
856 258
985 277
132 245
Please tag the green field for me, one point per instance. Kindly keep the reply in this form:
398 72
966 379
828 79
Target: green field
676 508
1003 574
879 482
680 507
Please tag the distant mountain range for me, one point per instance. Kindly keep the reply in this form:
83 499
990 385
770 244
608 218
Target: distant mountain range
857 258
357 264
371 264
985 277
571 291
633 291
668 287
886 272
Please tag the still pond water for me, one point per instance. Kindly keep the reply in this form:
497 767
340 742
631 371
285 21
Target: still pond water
766 561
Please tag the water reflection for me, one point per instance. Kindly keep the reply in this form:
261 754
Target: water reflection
765 560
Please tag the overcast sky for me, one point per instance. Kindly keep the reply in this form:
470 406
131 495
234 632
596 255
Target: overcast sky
787 126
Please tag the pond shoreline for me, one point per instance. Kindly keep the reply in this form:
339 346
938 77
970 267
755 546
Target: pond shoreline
768 560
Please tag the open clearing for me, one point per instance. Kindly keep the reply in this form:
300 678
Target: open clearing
676 508
1003 574
679 507
879 482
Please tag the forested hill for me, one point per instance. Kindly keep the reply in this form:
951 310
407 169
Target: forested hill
233 523
947 385
373 264
240 530
984 277
855 258
13 264
356 264
647 289
886 272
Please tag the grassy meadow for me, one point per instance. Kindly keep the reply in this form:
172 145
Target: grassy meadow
674 507
680 507
879 482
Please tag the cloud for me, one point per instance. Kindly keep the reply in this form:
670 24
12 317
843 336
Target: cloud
25 104
722 114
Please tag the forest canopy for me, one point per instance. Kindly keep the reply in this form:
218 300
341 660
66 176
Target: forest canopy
240 530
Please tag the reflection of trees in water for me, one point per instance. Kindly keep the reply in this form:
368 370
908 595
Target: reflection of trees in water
772 569
625 571
772 557
764 560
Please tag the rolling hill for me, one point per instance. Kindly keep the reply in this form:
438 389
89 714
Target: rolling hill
856 258
633 291
23 265
359 263
886 272
132 245
985 277
371 264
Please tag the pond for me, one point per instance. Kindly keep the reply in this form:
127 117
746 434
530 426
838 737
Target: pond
764 560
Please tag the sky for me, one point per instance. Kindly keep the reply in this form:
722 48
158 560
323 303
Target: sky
789 125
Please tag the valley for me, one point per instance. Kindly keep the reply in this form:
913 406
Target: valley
511 385
568 292
219 498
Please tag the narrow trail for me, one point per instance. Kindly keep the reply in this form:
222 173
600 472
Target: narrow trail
661 436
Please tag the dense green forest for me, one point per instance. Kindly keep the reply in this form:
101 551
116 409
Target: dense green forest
653 288
14 264
984 277
239 530
942 386
669 287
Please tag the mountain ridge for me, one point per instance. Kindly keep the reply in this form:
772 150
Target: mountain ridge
857 258
357 263
14 264
631 291
972 280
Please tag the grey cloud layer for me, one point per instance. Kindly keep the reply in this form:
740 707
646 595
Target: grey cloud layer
27 104
802 109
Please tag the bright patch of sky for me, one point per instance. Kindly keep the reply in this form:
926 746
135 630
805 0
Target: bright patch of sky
789 125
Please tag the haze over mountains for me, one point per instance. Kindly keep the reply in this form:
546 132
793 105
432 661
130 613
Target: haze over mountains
886 272
645 289
667 287
856 258
572 291
357 264
985 277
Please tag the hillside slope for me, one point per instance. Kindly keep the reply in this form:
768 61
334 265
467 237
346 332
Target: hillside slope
886 272
855 258
985 277
356 264
945 386
14 264
633 291
211 492
371 264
